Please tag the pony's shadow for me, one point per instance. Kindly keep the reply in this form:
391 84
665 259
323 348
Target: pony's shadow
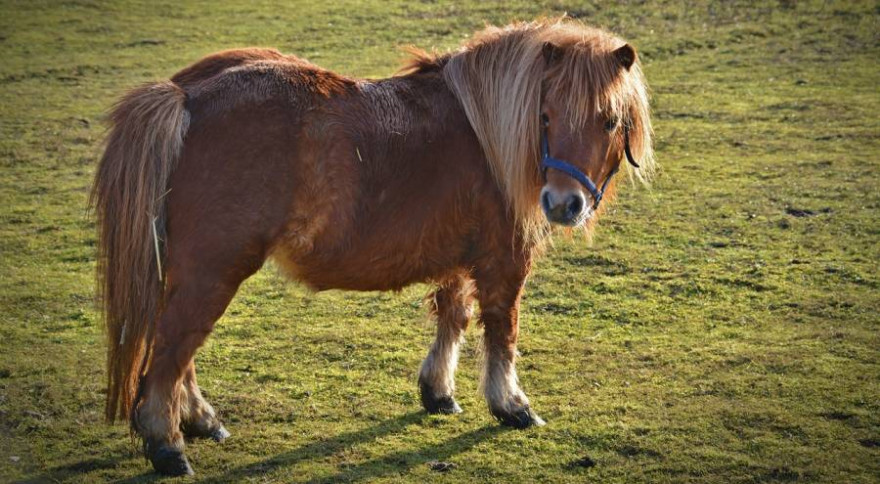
394 463
67 471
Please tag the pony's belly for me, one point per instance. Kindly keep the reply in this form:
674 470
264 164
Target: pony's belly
384 262
362 271
326 247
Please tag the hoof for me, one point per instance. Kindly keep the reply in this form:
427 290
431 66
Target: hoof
169 461
220 434
521 418
217 434
444 405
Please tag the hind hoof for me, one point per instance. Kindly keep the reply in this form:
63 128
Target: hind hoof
219 434
521 418
169 461
443 405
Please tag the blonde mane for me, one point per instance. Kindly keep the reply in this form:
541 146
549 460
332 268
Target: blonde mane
498 77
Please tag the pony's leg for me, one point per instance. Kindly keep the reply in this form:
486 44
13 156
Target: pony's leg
452 307
499 289
197 417
196 297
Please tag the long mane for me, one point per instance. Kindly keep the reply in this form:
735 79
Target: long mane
498 76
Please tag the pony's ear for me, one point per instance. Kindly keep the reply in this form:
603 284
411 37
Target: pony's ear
625 55
551 52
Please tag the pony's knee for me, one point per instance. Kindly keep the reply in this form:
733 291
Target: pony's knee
452 303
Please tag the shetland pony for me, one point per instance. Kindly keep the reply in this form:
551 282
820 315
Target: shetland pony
433 175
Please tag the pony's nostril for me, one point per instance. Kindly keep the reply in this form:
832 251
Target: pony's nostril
545 201
575 205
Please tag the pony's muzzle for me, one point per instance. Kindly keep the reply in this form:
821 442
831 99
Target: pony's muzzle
569 208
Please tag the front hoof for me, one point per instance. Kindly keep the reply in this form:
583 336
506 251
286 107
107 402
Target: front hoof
521 418
445 405
169 461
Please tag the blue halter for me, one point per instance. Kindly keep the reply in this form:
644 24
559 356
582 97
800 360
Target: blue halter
548 161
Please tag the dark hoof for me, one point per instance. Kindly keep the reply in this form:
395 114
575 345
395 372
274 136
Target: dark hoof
444 405
220 434
169 461
522 418
217 434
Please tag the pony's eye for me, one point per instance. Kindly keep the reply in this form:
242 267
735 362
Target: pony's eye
610 124
545 120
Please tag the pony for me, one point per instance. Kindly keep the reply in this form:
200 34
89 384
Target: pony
451 172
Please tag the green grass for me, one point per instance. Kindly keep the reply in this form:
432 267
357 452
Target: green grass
707 334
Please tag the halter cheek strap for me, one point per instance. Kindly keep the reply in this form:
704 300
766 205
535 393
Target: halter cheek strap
548 161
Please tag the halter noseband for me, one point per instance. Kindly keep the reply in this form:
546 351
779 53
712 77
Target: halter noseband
548 161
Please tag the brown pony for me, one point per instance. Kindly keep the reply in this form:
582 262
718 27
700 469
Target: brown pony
433 175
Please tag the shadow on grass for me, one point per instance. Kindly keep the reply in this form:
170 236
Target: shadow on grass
82 468
395 463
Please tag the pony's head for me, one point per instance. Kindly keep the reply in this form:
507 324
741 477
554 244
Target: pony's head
558 107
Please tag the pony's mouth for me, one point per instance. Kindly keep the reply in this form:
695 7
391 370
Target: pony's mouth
574 221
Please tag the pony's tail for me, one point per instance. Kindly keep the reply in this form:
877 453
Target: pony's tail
147 128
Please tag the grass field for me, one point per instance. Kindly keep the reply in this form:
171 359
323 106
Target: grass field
723 326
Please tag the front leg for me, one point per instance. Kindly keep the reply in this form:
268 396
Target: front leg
499 290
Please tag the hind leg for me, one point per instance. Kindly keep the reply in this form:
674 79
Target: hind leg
197 417
197 295
452 305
